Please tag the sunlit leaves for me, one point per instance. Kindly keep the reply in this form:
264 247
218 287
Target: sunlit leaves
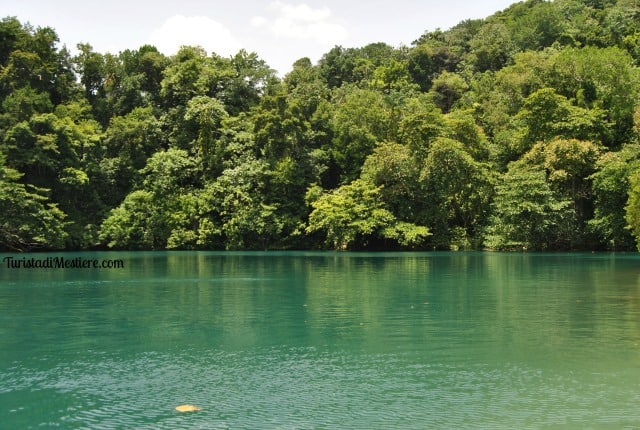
633 206
28 219
527 214
458 190
611 188
518 130
394 168
361 119
355 214
130 225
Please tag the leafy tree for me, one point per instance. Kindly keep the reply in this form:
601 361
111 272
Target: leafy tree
57 151
134 137
569 164
29 58
392 77
498 97
522 126
21 105
13 36
144 69
131 225
460 125
492 47
600 79
631 43
342 66
206 115
429 59
546 115
611 189
632 208
354 214
622 20
247 220
279 132
448 88
90 66
420 123
148 217
286 133
536 24
527 214
361 119
129 142
586 24
192 73
28 220
337 66
247 83
393 168
458 189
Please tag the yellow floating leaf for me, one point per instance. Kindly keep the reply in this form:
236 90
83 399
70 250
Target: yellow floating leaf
188 408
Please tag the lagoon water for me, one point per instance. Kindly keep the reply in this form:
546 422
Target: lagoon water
303 340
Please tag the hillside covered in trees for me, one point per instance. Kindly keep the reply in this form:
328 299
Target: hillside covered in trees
518 131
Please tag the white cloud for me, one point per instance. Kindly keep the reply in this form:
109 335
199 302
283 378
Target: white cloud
301 12
302 22
202 31
259 21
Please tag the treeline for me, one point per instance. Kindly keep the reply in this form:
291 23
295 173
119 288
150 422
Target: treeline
519 131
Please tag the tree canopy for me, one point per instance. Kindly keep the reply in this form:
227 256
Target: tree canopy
517 131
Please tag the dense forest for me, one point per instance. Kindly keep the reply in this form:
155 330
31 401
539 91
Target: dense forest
518 131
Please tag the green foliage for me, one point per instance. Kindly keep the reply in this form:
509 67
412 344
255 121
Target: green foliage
458 190
28 220
131 225
600 78
393 169
492 47
460 125
245 85
342 66
429 59
354 214
448 88
168 171
633 206
420 123
206 114
611 189
585 93
536 25
133 137
247 220
149 217
519 130
361 119
546 115
192 73
406 234
390 77
527 214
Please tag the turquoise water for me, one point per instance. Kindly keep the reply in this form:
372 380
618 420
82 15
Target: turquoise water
323 341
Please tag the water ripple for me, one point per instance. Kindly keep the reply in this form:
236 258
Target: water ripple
312 389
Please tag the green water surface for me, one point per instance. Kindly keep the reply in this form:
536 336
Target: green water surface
323 341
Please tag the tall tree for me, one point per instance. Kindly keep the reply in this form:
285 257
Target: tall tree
611 189
353 215
527 214
28 219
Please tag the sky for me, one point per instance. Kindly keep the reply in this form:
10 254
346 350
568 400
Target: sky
279 31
